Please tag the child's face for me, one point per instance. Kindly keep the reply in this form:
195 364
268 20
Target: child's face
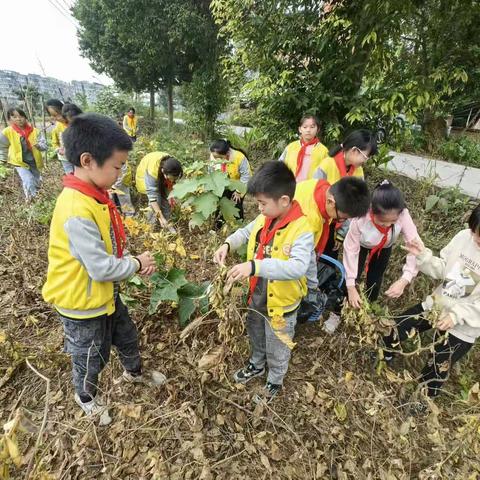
55 115
18 120
131 114
272 208
356 157
218 156
104 176
332 210
308 129
386 219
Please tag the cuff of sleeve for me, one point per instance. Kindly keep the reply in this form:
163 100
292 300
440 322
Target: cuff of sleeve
407 276
257 267
424 256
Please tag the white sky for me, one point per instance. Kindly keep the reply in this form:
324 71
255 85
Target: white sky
35 31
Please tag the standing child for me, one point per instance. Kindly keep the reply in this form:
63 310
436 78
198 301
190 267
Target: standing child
69 112
303 156
345 160
156 175
279 245
236 165
130 124
54 108
87 259
21 146
457 298
370 240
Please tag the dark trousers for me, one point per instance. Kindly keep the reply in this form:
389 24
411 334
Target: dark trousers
445 354
376 270
329 247
219 220
89 343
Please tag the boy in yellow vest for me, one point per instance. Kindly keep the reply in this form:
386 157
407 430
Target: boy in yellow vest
87 260
21 146
130 124
279 247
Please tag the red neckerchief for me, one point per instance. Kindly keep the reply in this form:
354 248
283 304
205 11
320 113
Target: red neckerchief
223 166
169 187
25 133
341 165
320 195
70 181
266 236
302 151
378 248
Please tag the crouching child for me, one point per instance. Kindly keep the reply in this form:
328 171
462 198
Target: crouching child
87 260
279 249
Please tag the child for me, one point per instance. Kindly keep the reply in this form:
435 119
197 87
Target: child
280 242
458 298
69 112
370 239
345 160
156 174
236 166
121 191
87 259
130 124
54 109
323 204
21 146
303 156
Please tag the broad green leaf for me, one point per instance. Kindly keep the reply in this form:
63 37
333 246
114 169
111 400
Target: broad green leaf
197 220
206 204
238 186
136 280
186 306
192 290
216 182
228 209
184 187
177 277
163 291
431 201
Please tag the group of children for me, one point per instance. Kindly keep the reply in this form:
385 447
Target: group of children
311 202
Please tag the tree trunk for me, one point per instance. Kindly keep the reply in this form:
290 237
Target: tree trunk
435 129
170 104
152 104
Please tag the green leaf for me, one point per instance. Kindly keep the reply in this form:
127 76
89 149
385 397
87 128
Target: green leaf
197 220
431 201
192 290
184 187
238 186
136 280
166 288
206 204
216 182
186 306
228 209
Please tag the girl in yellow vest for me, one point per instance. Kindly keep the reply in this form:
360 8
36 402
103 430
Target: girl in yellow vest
130 124
156 174
69 112
345 160
54 109
303 156
21 146
236 165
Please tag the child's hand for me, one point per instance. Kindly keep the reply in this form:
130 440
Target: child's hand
239 272
396 288
148 263
445 322
221 254
353 297
236 197
415 246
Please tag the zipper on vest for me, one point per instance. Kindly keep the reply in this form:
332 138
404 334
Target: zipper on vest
89 287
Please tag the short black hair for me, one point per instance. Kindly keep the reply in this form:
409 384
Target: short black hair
95 134
386 197
131 109
11 112
273 179
55 104
351 196
362 139
70 110
474 220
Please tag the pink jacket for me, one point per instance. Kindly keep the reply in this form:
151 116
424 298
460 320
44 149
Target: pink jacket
363 233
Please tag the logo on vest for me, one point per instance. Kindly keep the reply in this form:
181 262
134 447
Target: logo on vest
286 249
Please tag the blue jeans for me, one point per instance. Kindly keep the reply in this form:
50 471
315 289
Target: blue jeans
30 178
89 343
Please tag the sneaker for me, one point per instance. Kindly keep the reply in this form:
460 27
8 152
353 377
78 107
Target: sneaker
269 392
331 323
150 378
245 374
95 407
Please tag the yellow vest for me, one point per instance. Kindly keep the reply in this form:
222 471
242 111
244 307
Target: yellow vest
281 293
330 168
304 195
68 286
319 152
127 179
130 125
150 163
15 156
233 164
60 127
